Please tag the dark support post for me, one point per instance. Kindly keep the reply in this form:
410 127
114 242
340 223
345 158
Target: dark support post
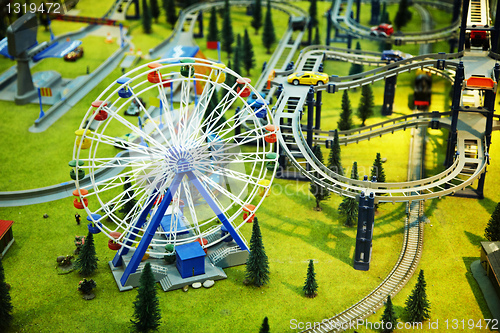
358 9
374 20
237 129
495 34
319 98
455 107
463 25
310 116
364 235
328 26
309 32
200 24
389 93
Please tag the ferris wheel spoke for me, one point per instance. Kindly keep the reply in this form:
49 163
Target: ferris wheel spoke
212 195
236 157
168 113
222 189
190 204
242 177
193 125
115 162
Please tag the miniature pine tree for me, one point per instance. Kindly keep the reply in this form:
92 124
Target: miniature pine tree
384 15
128 198
265 326
313 13
155 10
268 36
213 30
365 109
356 68
86 263
345 122
311 286
257 16
237 55
257 263
378 169
320 193
248 55
492 231
5 302
147 313
403 15
334 161
348 208
389 317
227 36
317 38
146 17
417 306
169 6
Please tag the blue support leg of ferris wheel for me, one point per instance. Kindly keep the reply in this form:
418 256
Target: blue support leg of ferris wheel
151 230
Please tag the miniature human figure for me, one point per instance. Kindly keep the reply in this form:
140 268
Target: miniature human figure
77 218
45 216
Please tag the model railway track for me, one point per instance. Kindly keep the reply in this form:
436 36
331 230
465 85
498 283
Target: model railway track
392 284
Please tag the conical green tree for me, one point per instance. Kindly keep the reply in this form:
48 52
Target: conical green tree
384 15
86 263
265 326
320 193
169 7
311 286
492 231
5 302
147 313
227 36
155 10
237 55
403 15
257 269
146 17
268 36
389 317
417 306
214 113
248 55
348 208
378 169
334 161
356 68
345 122
317 38
213 29
128 198
257 16
313 13
365 108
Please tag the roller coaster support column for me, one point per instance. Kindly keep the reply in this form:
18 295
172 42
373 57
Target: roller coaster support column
495 34
319 98
309 32
237 130
364 236
200 25
328 27
463 26
374 20
389 92
310 116
455 108
358 9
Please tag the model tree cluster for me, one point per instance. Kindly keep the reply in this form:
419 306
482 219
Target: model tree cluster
311 286
86 263
227 36
417 306
213 29
320 193
257 16
5 302
257 268
313 13
348 208
146 18
248 55
155 10
403 15
334 161
268 36
147 313
492 231
389 316
345 122
356 68
169 6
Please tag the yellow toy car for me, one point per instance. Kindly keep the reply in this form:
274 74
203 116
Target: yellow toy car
313 78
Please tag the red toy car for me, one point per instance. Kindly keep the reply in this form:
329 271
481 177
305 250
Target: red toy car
382 30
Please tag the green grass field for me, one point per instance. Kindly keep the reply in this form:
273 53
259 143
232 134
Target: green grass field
292 231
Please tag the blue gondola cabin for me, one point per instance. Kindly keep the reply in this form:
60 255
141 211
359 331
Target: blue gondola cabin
6 237
190 259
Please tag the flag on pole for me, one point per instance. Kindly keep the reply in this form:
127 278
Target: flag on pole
46 92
